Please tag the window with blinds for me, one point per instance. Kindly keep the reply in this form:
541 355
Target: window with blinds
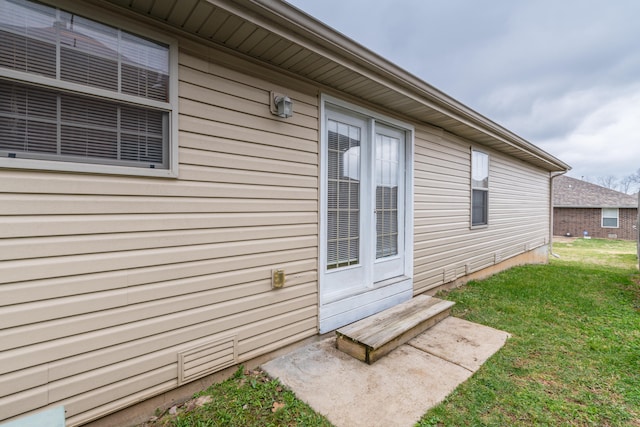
479 188
76 90
387 158
610 217
343 215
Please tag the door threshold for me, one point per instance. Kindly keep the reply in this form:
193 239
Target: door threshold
359 291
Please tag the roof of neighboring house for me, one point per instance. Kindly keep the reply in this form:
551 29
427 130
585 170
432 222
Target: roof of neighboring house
575 193
276 33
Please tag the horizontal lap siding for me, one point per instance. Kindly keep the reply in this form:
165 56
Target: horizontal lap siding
445 247
104 279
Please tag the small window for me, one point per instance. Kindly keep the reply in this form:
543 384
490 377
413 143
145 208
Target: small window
479 188
77 91
610 217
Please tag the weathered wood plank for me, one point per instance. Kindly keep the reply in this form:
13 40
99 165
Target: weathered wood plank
371 338
406 335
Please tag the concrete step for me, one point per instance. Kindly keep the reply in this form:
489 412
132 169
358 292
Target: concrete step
371 338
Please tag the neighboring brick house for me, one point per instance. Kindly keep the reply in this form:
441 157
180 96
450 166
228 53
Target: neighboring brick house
580 206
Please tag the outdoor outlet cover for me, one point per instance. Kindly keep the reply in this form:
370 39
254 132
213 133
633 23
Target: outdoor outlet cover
277 278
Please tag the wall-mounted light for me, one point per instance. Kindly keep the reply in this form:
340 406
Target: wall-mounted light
281 105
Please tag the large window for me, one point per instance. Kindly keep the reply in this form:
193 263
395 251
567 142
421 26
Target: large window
610 217
77 91
479 188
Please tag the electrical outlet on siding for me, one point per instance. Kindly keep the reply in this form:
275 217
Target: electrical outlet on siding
278 278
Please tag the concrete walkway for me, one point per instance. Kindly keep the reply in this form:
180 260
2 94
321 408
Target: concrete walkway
396 390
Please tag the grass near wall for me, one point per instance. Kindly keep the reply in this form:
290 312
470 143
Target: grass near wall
574 355
249 398
573 359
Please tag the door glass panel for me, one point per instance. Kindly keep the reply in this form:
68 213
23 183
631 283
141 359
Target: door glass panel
343 217
387 165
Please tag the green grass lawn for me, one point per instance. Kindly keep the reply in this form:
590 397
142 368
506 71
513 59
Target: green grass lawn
574 355
249 398
612 253
573 358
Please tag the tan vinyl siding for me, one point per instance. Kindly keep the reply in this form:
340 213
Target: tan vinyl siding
105 279
445 246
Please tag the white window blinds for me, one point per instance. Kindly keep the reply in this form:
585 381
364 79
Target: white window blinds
610 217
343 221
387 167
56 123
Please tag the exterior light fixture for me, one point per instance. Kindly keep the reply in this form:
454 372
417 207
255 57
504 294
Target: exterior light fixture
281 105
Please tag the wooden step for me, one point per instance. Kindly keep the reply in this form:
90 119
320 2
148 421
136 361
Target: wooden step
371 338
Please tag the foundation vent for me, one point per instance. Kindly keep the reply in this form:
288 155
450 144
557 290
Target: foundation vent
206 359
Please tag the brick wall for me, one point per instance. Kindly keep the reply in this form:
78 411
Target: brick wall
576 220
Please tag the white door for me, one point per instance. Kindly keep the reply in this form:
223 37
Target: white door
363 248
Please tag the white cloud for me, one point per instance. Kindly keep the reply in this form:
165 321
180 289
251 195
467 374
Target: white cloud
563 74
538 113
606 141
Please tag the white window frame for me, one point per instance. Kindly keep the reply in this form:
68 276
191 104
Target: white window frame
170 107
617 217
476 188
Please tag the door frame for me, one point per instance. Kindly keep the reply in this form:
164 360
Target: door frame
335 312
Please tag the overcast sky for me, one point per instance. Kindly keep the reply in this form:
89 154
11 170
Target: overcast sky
563 74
